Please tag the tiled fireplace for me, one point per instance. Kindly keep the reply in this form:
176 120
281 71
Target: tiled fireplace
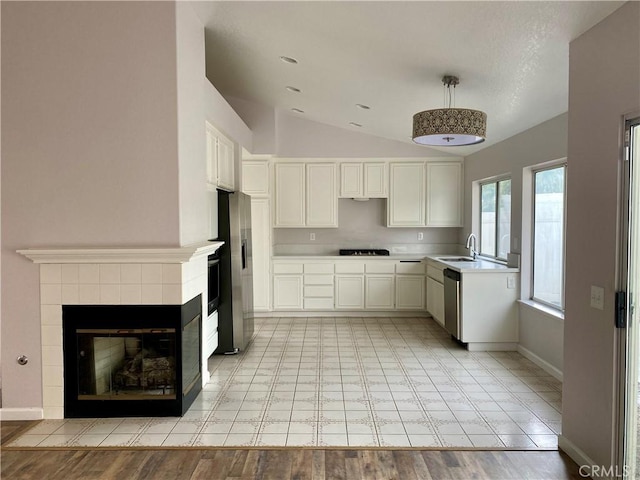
102 277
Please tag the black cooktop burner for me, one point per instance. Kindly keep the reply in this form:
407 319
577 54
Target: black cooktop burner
365 252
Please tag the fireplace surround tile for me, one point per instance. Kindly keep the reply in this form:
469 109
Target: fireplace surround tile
109 274
89 273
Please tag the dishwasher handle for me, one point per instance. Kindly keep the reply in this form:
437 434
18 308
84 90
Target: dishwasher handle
452 274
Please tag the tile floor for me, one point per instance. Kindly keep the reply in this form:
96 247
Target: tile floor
397 382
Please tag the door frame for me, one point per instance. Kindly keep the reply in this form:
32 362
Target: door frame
627 336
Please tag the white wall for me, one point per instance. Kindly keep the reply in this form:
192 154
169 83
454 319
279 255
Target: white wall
604 80
540 334
89 151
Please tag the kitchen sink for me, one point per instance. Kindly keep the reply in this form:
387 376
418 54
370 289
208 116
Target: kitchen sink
456 259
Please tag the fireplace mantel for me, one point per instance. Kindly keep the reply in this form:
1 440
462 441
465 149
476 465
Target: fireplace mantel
120 255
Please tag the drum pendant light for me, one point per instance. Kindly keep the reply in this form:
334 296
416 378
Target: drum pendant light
449 127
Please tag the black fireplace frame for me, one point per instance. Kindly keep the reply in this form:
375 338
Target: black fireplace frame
124 317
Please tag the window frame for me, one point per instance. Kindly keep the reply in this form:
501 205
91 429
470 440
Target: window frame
496 181
532 297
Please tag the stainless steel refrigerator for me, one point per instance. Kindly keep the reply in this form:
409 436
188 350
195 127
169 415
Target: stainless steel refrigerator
235 312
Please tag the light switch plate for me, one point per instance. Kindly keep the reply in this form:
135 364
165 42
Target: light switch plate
312 236
597 297
511 281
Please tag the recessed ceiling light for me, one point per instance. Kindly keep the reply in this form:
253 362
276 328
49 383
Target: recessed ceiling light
288 59
293 89
297 110
354 124
362 106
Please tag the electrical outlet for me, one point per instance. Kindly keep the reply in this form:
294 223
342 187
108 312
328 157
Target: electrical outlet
420 236
312 236
597 297
511 281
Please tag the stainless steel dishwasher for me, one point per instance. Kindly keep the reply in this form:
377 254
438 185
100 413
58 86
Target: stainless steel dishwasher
452 302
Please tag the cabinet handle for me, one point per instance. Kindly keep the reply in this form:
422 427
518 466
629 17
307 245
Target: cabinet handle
410 261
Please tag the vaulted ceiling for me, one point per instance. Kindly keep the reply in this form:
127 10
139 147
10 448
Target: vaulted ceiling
511 57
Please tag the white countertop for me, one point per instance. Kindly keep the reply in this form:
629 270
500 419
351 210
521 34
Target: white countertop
478 265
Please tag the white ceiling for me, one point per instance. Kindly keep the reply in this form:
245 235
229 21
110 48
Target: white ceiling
512 59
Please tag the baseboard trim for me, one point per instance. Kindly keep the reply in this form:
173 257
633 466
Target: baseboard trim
335 313
542 363
576 454
9 414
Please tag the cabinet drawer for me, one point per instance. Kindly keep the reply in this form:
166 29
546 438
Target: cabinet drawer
435 273
318 268
318 303
287 267
318 279
380 267
410 268
318 291
349 267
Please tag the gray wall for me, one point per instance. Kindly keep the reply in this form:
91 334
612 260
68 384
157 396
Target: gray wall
604 80
89 148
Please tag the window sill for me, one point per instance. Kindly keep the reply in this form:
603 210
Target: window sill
551 312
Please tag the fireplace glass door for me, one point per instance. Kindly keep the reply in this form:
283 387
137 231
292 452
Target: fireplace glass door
126 364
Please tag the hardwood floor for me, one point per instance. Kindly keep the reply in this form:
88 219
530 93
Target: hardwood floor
278 464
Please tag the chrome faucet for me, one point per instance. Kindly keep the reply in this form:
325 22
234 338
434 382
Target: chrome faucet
471 239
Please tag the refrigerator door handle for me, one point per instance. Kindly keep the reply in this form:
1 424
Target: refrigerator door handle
244 254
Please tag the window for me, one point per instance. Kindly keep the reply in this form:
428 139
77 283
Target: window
549 206
495 218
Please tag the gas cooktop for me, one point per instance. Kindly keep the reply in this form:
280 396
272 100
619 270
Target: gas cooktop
365 252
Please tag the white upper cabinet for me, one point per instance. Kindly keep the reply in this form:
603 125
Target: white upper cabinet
289 195
351 180
306 195
406 195
255 177
322 196
375 180
444 195
220 159
363 180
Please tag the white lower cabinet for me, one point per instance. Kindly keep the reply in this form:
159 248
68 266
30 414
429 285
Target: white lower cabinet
209 335
435 300
379 292
410 292
350 284
349 293
287 292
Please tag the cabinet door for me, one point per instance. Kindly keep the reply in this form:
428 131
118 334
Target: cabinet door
351 180
435 300
289 195
255 178
375 180
261 243
406 195
444 195
226 177
410 292
379 292
287 292
349 292
322 196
